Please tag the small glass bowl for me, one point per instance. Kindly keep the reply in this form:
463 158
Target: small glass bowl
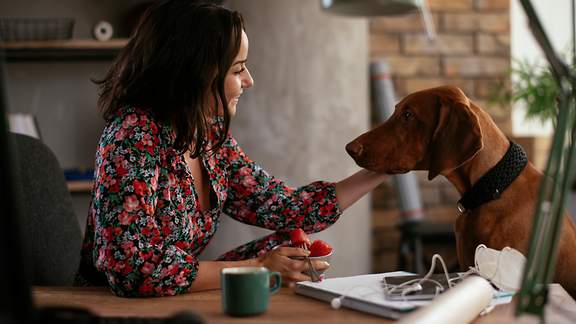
325 258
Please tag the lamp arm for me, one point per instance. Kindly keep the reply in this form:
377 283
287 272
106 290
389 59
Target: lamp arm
559 68
549 210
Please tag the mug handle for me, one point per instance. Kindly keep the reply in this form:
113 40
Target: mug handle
277 282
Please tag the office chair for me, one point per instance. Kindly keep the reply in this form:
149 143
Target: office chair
49 218
415 236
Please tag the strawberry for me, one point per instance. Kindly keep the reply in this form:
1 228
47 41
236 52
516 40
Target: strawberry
320 248
298 238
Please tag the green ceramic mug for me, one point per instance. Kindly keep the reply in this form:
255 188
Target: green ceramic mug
246 290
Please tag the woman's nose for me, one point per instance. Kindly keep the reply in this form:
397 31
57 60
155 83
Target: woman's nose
247 82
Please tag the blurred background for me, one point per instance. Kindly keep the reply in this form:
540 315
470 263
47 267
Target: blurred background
312 95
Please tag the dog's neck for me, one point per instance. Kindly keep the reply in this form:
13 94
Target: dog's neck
494 148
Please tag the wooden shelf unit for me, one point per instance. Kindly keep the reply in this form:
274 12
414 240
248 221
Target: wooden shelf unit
80 186
62 50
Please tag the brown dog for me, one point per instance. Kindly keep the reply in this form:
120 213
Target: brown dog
442 131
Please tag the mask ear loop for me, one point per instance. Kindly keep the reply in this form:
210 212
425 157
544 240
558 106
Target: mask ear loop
481 246
476 268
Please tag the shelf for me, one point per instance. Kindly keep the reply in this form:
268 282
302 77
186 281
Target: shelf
63 50
80 186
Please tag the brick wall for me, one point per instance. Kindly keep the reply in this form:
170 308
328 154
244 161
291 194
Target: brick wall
473 52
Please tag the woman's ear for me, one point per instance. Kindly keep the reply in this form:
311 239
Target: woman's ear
457 137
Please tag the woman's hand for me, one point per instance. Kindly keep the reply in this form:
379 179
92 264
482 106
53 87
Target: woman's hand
291 270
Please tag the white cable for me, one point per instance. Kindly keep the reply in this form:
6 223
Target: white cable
415 285
336 302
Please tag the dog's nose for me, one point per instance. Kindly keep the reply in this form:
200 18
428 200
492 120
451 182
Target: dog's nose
354 149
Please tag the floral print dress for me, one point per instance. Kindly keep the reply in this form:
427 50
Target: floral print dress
145 228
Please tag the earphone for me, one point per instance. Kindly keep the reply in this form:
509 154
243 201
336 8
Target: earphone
336 303
413 288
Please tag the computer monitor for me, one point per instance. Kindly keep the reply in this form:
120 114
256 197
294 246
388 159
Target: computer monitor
15 297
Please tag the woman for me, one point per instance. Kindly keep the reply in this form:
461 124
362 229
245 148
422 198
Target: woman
167 166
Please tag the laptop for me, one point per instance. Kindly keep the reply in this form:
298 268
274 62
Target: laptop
16 304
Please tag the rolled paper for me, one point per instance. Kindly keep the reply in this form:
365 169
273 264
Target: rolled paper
460 304
103 31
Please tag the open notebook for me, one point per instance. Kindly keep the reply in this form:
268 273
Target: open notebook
365 293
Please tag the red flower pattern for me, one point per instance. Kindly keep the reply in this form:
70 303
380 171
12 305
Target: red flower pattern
145 229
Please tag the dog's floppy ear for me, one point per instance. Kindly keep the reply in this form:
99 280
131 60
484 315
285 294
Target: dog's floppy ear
457 137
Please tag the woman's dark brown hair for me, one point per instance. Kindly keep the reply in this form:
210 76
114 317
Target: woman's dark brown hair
179 54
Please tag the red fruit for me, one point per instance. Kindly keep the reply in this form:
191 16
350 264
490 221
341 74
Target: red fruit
298 237
320 248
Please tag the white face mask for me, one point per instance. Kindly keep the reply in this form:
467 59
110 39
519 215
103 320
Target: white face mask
503 268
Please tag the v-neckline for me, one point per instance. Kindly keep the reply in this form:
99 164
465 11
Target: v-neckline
206 183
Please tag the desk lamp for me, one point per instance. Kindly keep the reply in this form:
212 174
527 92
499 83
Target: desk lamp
560 168
370 7
373 8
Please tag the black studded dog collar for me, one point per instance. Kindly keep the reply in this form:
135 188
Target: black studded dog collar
491 185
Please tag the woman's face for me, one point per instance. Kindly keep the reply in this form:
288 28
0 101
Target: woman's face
238 77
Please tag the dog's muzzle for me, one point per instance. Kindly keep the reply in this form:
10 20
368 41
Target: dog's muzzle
354 149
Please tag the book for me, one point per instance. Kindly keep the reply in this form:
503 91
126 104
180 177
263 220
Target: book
24 124
366 293
363 293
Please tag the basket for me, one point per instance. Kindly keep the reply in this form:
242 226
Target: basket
27 29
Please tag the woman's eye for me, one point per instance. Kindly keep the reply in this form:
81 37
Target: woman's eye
407 114
242 69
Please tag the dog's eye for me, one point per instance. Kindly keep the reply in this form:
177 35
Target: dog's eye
407 114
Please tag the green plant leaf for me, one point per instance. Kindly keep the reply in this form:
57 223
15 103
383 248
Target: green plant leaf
532 84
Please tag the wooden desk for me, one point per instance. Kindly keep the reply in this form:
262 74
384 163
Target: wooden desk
285 307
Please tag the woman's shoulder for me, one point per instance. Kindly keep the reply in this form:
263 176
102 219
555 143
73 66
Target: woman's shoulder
134 126
127 116
230 149
136 120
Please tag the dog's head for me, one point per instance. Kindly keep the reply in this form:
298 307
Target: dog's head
433 129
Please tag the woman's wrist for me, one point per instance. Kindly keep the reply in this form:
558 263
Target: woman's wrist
256 262
209 272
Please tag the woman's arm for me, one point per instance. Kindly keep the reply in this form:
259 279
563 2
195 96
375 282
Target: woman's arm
136 243
278 259
208 276
254 197
349 190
